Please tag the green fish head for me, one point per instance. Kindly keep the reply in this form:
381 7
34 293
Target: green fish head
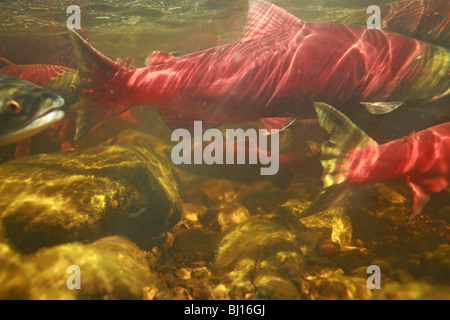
67 85
25 109
427 78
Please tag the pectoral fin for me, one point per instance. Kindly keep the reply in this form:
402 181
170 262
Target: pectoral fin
88 120
420 199
381 107
5 63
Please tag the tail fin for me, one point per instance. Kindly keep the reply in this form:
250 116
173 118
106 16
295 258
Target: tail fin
345 136
97 100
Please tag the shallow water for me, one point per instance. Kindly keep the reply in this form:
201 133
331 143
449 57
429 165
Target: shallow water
114 203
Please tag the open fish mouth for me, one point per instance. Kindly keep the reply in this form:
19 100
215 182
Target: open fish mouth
36 125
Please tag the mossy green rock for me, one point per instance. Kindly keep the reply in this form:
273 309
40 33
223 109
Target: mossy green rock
86 195
262 260
256 240
14 284
110 268
339 288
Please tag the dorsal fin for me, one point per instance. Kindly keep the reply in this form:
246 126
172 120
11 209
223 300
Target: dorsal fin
264 19
158 57
5 63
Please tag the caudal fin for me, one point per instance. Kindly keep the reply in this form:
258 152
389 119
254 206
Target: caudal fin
345 136
98 102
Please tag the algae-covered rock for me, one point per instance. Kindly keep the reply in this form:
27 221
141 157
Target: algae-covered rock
85 195
256 240
275 288
13 282
223 216
413 291
437 263
196 245
111 268
331 223
260 260
339 287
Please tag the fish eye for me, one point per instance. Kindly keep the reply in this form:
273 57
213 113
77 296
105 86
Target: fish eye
72 87
12 106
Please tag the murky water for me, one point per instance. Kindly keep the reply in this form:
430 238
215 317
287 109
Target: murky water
137 226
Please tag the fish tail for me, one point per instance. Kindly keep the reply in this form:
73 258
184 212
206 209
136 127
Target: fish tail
98 103
345 136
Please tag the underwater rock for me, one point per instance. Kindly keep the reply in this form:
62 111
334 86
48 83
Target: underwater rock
275 288
14 285
195 246
222 190
220 292
265 198
111 268
412 291
437 263
256 240
223 216
367 226
2 232
86 195
131 137
389 194
339 287
255 254
444 214
128 254
331 224
191 213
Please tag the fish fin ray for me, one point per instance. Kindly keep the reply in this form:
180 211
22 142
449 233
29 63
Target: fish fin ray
277 123
82 32
408 17
345 136
381 107
23 148
264 19
88 120
95 70
420 199
4 63
327 198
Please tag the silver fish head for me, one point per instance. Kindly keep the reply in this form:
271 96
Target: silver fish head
25 109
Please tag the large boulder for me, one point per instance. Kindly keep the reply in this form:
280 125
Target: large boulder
86 195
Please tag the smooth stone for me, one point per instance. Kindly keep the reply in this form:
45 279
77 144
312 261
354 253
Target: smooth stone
110 268
255 240
437 263
339 288
275 288
14 284
50 199
223 216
